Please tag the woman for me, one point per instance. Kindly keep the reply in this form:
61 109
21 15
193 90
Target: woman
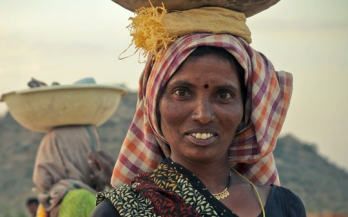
211 107
68 171
203 113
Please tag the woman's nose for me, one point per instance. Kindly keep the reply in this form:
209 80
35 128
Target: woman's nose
203 112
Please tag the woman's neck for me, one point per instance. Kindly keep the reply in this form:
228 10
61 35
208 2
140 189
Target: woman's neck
214 174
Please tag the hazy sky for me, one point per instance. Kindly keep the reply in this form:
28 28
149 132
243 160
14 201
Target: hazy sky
67 40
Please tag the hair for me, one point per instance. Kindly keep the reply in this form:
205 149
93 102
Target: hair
32 200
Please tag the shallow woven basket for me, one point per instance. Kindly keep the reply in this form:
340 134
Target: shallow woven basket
43 108
248 7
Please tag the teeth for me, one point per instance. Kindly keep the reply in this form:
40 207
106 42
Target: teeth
202 135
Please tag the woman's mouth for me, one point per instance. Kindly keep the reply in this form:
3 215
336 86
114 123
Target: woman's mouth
202 138
202 135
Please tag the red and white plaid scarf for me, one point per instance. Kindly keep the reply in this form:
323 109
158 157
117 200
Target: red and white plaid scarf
268 99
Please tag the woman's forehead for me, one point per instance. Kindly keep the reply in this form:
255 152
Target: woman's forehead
195 65
205 70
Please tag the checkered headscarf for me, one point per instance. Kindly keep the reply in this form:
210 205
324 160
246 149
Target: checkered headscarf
268 98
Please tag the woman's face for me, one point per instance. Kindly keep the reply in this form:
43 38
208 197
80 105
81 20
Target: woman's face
201 108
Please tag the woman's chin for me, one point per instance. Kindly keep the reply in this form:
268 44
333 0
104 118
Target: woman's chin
198 157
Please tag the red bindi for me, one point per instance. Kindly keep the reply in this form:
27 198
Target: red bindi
206 86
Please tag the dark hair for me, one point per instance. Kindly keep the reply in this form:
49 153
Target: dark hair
32 200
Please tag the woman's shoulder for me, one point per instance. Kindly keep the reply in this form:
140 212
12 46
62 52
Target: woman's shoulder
105 208
285 201
107 200
285 193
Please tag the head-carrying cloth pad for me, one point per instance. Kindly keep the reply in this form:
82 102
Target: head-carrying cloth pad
268 99
153 29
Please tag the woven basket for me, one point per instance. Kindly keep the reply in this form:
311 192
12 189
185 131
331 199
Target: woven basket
43 108
248 7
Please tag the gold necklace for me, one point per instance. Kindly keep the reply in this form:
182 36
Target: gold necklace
225 192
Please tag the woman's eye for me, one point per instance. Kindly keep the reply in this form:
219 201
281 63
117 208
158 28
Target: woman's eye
224 95
181 92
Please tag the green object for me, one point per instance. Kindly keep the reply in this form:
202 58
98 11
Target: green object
79 202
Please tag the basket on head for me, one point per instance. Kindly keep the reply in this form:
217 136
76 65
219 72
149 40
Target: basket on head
43 108
248 7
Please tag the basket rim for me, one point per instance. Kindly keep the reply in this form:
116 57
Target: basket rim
65 87
248 7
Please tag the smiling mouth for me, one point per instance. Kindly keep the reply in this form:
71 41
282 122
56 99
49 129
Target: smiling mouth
202 135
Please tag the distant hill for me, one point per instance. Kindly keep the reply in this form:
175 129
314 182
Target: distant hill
322 186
